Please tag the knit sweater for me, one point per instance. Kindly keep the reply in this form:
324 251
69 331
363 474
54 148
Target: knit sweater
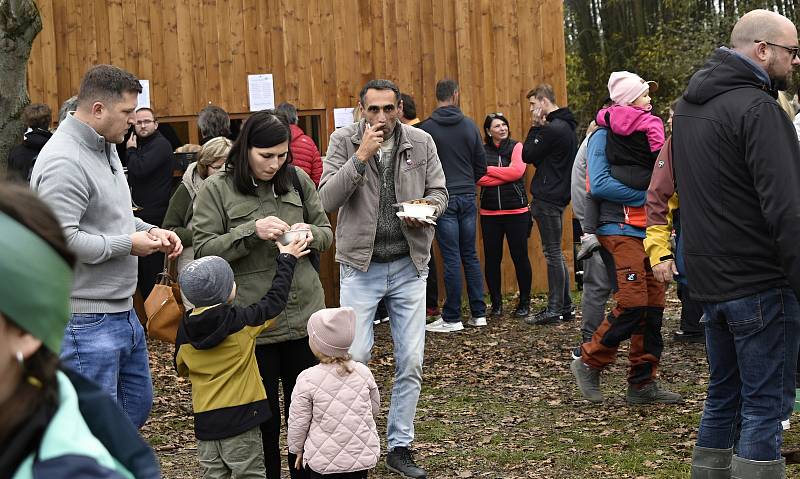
79 176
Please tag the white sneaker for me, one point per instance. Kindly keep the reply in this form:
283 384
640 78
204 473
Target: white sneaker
442 326
477 322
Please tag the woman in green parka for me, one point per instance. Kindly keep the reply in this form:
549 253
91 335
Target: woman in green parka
239 214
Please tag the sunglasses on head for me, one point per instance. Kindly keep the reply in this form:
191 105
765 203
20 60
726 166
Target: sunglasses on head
496 115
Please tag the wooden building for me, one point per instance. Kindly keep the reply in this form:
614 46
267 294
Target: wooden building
320 53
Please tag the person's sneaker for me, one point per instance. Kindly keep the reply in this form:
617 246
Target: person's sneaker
399 460
477 322
442 326
681 336
543 317
589 244
496 310
377 321
576 353
568 313
588 380
652 393
523 308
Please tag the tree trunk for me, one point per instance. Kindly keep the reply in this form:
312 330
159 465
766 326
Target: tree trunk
19 24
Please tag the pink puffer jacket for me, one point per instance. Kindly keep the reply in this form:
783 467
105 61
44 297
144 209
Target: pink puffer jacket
332 419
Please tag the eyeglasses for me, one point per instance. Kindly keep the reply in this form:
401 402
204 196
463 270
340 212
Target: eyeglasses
494 115
390 108
794 51
144 122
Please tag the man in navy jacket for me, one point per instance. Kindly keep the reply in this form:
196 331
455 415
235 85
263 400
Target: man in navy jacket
459 145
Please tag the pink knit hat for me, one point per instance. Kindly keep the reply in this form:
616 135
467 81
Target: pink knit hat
625 87
331 331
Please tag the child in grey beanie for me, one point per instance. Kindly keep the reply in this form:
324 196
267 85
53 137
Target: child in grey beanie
215 348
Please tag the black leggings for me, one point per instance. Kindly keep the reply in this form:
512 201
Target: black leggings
342 475
515 229
281 362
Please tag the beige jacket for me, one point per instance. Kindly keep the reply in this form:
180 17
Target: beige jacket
417 174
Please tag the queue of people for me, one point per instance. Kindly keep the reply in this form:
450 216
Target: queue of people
247 225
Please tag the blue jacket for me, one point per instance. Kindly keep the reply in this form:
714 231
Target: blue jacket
459 146
618 200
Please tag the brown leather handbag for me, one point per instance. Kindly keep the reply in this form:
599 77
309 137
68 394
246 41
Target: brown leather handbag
164 306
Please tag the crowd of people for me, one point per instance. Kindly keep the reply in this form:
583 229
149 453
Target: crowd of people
249 218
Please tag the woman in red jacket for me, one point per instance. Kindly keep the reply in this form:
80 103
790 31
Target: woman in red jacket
504 212
305 154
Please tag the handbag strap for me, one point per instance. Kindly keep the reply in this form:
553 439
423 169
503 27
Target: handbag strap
170 273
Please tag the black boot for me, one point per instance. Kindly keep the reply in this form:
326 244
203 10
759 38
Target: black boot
523 308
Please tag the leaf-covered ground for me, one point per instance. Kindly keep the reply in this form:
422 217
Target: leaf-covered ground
500 402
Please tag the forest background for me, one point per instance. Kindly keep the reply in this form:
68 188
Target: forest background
661 40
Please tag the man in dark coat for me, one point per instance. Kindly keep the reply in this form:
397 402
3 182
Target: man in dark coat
37 117
551 146
150 176
737 166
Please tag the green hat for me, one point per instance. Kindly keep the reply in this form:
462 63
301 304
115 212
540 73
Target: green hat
35 283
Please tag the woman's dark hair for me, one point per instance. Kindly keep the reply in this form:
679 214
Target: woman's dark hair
487 123
264 129
23 206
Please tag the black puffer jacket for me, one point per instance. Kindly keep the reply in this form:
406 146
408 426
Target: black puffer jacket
22 157
508 196
737 167
551 149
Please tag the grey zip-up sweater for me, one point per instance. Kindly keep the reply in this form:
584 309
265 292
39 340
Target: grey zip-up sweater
79 175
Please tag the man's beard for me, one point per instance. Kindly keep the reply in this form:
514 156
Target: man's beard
780 83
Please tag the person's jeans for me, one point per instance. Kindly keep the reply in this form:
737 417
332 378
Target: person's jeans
752 346
456 231
549 220
111 350
596 290
403 289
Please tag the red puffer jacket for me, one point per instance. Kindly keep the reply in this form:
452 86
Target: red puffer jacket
305 154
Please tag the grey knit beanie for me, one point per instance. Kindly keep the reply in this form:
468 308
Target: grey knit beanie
331 331
206 281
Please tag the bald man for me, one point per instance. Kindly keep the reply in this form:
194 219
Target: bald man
737 164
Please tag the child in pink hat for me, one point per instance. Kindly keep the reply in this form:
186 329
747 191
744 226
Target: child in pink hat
635 139
334 404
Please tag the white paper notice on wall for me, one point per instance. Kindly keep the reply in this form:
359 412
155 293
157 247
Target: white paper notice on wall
261 91
342 117
144 96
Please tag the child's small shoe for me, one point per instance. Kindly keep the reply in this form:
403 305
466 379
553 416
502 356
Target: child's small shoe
589 244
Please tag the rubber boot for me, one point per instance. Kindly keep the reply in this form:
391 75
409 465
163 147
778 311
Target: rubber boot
748 469
708 463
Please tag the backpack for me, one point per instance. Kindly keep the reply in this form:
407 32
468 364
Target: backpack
314 255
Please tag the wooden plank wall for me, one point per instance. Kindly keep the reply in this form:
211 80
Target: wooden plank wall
320 52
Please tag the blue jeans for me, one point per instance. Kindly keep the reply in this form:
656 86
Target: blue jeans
403 289
549 220
111 350
456 231
752 346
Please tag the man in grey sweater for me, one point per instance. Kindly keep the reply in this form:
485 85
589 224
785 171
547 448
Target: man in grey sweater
79 175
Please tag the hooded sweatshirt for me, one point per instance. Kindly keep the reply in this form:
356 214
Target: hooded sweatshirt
460 148
735 155
552 148
215 348
22 156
